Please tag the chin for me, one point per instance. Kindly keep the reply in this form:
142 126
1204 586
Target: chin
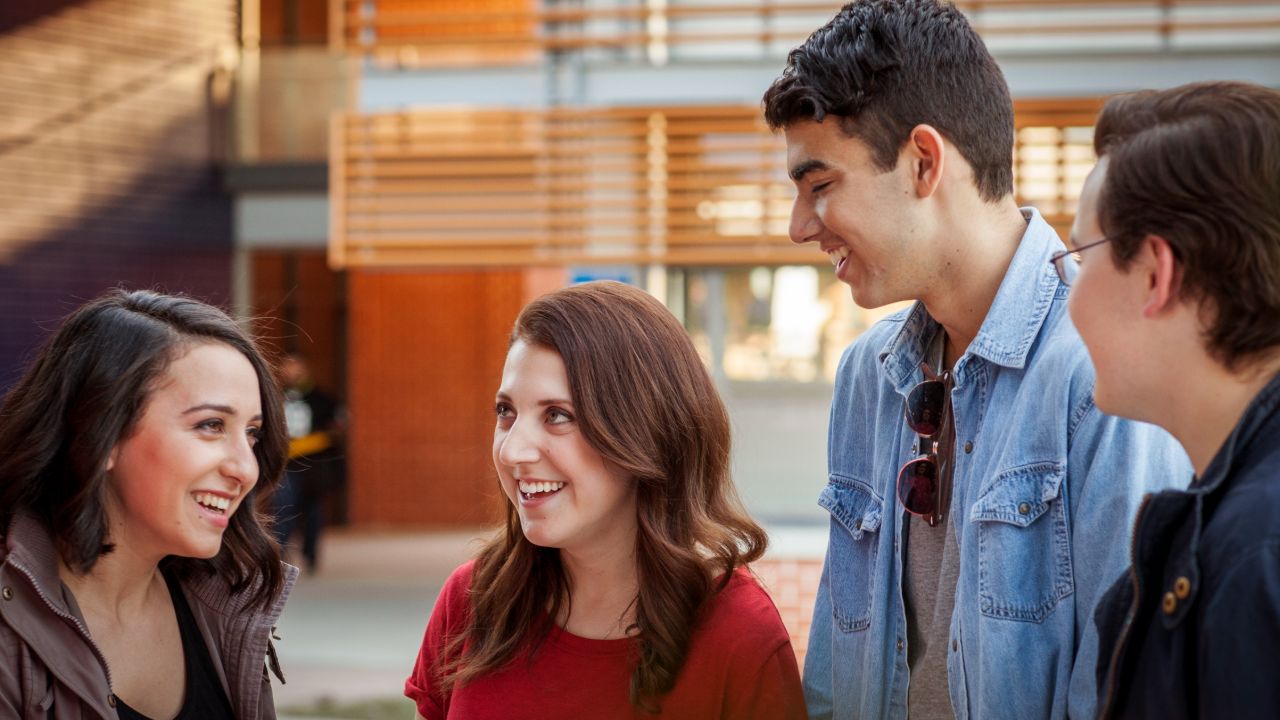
1107 401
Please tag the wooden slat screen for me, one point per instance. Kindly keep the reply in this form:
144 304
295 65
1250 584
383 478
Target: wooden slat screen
680 185
433 32
703 185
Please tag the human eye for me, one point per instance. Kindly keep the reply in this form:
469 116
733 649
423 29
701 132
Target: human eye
506 414
556 416
211 426
254 434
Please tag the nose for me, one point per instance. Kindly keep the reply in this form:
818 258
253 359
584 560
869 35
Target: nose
240 464
517 445
805 225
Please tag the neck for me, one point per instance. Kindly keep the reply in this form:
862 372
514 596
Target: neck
1202 415
603 586
118 585
975 254
592 571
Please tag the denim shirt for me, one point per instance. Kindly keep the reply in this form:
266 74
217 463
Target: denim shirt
1045 491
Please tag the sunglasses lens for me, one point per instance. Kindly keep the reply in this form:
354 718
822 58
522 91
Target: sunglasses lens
918 486
924 407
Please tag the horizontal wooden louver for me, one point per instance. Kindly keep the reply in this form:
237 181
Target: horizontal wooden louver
703 185
421 33
677 185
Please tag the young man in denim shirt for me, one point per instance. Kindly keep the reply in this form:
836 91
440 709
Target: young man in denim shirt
1177 296
968 546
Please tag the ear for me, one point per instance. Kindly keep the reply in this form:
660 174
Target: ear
925 150
111 459
1164 275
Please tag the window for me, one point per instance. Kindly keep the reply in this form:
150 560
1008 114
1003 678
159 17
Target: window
769 324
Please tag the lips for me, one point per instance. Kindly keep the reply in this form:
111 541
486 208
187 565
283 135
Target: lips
534 493
214 507
839 257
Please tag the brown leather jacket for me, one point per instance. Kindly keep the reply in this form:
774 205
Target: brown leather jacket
50 668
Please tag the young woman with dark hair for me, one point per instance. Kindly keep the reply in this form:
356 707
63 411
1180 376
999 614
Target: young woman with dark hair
137 578
617 587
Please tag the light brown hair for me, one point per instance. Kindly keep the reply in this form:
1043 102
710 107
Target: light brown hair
646 403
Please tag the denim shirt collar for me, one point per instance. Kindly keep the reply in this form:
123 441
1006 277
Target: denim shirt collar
1010 327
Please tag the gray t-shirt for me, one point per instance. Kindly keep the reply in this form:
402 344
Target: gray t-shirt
931 558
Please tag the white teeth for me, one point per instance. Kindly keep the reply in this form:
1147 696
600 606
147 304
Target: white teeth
539 487
838 254
215 502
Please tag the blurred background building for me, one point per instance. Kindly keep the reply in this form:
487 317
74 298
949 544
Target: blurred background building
382 184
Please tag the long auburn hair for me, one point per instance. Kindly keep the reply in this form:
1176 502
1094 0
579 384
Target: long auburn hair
646 403
84 394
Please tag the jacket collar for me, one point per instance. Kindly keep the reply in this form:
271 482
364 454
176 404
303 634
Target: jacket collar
237 639
1012 323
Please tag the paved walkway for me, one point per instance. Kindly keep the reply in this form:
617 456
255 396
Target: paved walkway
352 630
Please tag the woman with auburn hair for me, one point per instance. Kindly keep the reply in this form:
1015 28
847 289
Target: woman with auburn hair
617 587
136 576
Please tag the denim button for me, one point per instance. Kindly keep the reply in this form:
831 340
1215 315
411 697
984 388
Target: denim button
857 524
1182 588
1024 509
8 592
955 646
1169 604
111 700
899 644
968 447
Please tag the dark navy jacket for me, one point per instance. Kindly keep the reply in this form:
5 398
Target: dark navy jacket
1193 629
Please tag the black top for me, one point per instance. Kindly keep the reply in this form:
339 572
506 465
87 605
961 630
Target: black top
205 699
1193 629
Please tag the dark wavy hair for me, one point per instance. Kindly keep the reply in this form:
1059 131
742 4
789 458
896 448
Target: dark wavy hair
882 67
86 391
1199 165
646 403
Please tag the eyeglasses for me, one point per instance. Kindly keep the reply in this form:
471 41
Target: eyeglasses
1067 271
919 488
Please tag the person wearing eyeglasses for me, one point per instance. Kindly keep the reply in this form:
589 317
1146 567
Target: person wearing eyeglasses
1177 297
980 503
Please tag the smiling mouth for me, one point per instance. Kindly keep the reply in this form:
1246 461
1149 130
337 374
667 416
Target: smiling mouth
838 256
213 503
529 491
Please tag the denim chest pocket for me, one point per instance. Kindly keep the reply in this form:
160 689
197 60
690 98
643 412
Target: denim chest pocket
1024 547
853 546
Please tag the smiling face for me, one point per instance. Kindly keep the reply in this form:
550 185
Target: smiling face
858 215
175 481
566 494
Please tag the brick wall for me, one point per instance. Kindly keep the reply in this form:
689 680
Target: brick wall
426 351
793 584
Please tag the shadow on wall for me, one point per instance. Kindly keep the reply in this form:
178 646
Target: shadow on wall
178 240
114 124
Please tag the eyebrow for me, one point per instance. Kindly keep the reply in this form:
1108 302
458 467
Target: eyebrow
544 403
798 172
224 409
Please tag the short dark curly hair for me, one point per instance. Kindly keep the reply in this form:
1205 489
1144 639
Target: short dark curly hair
882 67
1199 165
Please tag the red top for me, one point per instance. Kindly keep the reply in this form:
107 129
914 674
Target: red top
740 665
